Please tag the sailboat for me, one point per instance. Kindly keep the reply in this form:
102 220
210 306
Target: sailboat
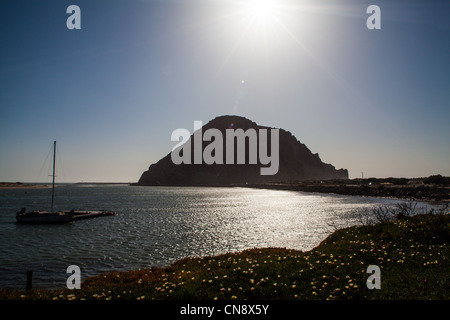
57 216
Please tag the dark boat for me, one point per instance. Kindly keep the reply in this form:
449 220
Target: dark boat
43 217
58 217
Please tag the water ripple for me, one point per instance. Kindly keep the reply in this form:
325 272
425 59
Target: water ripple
155 226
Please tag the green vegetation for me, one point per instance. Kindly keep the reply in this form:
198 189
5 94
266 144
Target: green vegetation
412 253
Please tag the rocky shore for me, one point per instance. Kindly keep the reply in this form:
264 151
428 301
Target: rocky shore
410 189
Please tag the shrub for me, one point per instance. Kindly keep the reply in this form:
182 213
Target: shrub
438 180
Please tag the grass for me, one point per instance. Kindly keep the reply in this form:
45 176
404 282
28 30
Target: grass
412 253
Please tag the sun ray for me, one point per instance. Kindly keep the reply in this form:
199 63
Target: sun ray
253 24
233 49
327 69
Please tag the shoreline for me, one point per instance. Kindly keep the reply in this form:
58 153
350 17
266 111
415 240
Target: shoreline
434 194
392 188
20 185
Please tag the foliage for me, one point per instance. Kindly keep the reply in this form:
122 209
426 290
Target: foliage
438 180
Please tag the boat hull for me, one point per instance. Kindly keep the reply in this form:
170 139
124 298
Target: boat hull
59 217
44 217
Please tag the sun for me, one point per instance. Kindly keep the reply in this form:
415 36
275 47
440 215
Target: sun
262 11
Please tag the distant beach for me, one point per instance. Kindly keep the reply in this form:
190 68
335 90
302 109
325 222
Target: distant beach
20 185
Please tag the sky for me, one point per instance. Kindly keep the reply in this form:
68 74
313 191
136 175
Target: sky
375 102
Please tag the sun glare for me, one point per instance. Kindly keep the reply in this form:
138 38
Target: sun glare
262 11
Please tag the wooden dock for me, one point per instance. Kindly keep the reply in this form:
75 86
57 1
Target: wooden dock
80 215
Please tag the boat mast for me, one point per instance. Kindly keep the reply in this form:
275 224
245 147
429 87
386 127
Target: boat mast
53 183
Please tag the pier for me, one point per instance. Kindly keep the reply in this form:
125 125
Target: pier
80 215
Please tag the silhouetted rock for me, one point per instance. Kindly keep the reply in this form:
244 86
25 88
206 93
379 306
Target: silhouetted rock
296 162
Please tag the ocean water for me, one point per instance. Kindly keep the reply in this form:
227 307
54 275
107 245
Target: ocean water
155 226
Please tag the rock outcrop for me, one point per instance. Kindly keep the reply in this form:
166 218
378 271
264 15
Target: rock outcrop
296 162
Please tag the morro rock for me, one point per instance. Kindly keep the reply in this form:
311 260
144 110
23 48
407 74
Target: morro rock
296 162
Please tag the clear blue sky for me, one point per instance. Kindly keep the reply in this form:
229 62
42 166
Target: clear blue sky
372 101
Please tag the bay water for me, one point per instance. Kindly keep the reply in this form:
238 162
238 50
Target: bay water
155 226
